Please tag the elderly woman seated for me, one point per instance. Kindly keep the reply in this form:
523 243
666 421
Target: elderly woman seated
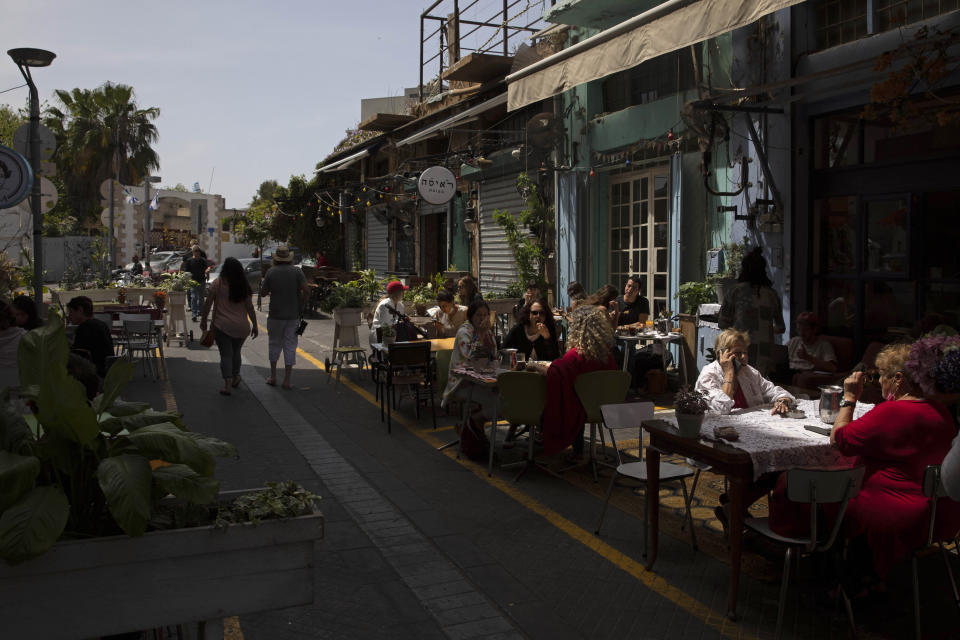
894 441
729 382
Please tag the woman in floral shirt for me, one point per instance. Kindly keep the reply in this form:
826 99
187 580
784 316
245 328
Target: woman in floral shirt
474 346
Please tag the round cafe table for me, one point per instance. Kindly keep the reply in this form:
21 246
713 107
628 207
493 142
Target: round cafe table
630 343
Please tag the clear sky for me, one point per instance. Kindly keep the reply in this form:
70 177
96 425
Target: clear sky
249 90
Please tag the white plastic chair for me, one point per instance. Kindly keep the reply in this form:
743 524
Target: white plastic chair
934 491
814 487
630 416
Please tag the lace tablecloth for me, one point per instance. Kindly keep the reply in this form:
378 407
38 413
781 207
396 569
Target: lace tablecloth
777 444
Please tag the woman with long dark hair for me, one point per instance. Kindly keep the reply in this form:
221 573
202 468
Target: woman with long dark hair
468 291
535 331
25 313
232 301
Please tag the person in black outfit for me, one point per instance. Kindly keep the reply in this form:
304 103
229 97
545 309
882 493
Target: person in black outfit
535 331
25 313
197 266
634 309
92 337
137 268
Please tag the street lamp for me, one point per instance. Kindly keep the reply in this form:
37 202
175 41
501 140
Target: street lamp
146 219
25 58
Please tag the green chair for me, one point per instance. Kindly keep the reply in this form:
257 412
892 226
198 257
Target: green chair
594 390
523 396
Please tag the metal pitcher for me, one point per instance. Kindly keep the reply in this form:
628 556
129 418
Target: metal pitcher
508 358
830 397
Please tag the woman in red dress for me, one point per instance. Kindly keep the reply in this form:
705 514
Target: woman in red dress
894 441
590 340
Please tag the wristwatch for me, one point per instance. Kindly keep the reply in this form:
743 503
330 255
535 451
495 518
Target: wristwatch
847 403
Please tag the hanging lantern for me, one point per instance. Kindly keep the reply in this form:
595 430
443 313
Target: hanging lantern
592 173
670 135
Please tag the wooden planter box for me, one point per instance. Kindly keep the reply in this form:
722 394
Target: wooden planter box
89 588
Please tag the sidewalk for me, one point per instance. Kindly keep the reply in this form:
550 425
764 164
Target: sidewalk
421 545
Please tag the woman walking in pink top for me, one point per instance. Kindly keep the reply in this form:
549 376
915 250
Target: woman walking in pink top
232 301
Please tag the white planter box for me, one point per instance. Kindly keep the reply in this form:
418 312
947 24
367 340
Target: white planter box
89 588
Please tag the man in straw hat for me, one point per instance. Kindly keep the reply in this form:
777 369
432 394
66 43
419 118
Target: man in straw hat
288 291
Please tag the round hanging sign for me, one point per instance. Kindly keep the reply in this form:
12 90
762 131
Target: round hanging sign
16 177
437 185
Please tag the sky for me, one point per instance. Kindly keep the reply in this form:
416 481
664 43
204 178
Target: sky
248 91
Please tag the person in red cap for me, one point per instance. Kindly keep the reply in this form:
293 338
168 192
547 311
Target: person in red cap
808 351
390 308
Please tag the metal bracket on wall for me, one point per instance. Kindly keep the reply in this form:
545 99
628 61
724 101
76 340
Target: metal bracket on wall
744 183
764 165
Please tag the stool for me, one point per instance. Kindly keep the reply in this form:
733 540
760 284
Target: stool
346 342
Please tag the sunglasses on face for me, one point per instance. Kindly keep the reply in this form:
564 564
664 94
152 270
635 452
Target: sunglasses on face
536 313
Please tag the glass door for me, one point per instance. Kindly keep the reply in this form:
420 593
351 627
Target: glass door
639 232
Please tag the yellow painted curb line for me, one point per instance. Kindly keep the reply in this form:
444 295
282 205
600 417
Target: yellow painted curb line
656 583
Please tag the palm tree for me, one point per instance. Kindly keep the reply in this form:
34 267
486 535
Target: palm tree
101 133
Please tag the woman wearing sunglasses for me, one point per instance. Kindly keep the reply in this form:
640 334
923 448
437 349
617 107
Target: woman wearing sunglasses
731 383
535 334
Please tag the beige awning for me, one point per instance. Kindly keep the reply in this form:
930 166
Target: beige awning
670 26
451 122
340 165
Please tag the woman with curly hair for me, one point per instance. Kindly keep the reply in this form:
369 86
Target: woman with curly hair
590 341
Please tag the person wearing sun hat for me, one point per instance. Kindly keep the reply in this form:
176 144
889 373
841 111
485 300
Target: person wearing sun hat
288 291
389 308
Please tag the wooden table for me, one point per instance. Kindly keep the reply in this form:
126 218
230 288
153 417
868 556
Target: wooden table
725 459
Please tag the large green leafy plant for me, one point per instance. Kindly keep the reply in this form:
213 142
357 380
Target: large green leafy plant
78 468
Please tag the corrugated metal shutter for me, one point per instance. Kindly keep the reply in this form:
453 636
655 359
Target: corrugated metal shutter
497 266
377 241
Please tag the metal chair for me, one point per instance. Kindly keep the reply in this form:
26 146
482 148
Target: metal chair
630 415
814 487
407 364
120 340
523 396
934 491
140 336
594 390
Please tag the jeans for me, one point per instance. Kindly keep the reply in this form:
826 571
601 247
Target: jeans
229 348
195 298
282 336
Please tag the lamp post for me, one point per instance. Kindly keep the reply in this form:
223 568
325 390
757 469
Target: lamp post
146 219
24 59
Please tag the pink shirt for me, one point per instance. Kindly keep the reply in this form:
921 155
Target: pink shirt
229 317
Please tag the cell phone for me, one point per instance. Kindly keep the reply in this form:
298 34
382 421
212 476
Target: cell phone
824 431
736 366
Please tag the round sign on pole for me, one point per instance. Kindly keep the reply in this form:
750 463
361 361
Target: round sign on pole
48 141
16 177
48 195
437 185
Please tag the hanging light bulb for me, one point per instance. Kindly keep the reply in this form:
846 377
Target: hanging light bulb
368 203
592 173
670 135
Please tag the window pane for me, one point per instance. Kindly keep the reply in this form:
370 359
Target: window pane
660 286
636 213
834 235
660 210
636 266
644 212
944 298
661 259
942 212
643 262
643 189
835 303
614 195
660 186
887 305
643 236
886 248
660 235
636 237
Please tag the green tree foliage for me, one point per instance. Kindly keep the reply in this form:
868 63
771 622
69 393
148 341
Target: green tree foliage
253 226
523 234
10 120
100 131
296 214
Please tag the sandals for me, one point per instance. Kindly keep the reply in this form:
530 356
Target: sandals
271 381
236 382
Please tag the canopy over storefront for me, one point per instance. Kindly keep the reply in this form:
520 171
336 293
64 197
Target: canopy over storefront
673 25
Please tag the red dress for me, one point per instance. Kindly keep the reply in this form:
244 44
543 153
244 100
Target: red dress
894 441
564 416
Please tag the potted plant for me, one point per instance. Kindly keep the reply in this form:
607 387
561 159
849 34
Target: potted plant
388 334
82 486
692 294
733 253
689 406
160 299
419 297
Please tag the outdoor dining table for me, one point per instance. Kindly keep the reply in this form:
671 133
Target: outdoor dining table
630 341
436 344
767 443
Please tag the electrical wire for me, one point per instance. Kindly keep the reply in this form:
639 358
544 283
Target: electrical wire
16 87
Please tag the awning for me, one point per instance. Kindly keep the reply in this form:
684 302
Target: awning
673 25
343 163
457 119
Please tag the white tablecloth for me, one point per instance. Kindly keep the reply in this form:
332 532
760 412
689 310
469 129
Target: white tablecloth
777 444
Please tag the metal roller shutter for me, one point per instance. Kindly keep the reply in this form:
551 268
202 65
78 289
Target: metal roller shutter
378 235
497 265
